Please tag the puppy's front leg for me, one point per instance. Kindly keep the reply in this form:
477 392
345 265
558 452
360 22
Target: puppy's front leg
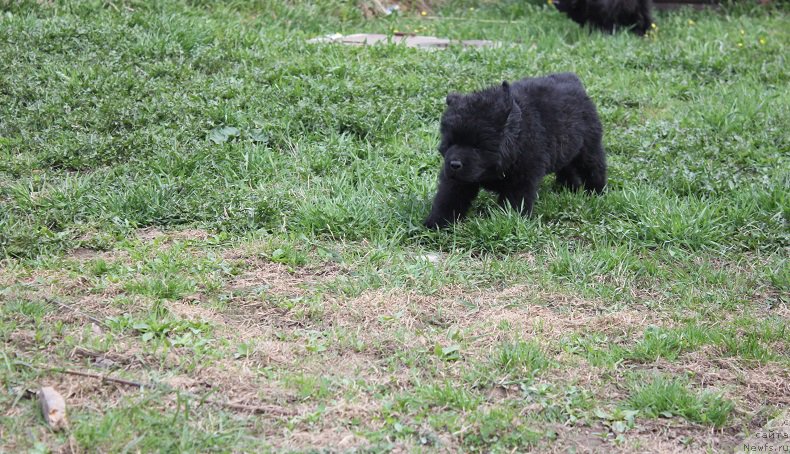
452 201
520 199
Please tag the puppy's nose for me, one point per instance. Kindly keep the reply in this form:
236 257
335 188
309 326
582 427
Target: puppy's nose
456 164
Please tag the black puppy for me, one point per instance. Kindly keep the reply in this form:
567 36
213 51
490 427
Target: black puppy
609 14
506 138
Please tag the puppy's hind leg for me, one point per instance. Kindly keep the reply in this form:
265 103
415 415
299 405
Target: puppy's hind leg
569 177
451 203
645 19
592 168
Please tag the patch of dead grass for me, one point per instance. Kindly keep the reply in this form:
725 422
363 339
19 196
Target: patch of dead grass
661 436
150 234
277 278
341 439
757 384
389 321
670 437
236 383
486 317
83 254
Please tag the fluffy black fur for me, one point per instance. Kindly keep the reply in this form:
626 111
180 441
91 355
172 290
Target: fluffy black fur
608 15
506 138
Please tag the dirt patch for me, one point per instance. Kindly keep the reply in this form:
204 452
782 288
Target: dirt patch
271 277
151 234
190 309
576 371
236 383
649 435
330 430
8 275
83 254
770 301
340 438
258 330
547 323
347 366
40 284
89 309
670 436
66 294
486 317
280 279
190 235
579 439
552 315
767 384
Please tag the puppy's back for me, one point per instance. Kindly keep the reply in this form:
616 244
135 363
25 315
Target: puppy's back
560 114
563 81
554 92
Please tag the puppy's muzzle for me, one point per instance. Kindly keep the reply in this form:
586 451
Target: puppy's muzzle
456 165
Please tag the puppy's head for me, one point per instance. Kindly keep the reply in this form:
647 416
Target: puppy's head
479 133
565 6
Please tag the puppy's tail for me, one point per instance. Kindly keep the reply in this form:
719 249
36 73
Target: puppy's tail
509 146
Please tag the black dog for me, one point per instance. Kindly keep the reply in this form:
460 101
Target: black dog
609 14
506 138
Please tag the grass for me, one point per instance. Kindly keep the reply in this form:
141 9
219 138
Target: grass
193 195
667 397
520 358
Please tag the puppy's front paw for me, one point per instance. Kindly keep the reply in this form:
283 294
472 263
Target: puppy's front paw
436 223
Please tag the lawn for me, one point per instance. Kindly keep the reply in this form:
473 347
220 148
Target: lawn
196 200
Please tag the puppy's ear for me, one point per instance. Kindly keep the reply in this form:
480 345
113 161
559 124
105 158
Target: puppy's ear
452 98
506 86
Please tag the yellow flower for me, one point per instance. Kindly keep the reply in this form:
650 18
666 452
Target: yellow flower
691 22
396 31
742 32
740 44
550 2
423 13
762 41
653 25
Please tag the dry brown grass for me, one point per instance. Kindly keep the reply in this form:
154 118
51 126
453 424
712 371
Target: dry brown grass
385 322
755 385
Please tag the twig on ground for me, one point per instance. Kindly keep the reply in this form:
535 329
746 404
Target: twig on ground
257 409
103 378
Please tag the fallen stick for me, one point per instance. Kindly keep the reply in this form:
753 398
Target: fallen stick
103 378
256 409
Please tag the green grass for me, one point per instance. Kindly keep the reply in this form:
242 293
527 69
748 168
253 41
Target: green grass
748 339
666 397
221 206
520 359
